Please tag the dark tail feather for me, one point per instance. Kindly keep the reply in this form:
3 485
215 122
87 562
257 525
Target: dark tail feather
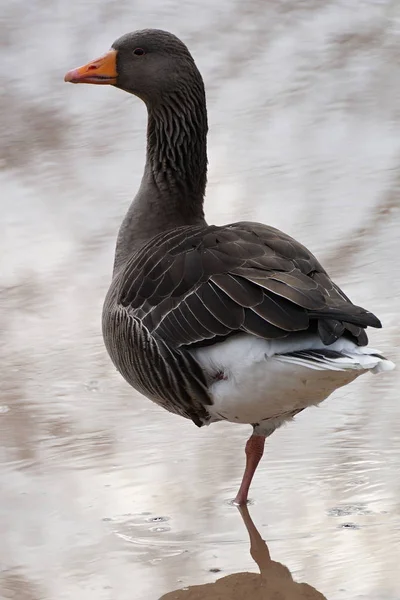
358 333
359 317
330 330
335 323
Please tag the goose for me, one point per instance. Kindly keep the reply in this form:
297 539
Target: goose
235 323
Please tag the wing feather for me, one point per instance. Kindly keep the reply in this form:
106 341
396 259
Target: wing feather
197 285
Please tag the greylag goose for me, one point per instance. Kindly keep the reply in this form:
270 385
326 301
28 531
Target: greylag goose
238 323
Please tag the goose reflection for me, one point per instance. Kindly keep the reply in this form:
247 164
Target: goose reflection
274 582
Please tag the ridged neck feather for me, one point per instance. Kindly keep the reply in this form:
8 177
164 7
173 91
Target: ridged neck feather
173 185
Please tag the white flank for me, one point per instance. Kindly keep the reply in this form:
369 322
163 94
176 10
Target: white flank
260 382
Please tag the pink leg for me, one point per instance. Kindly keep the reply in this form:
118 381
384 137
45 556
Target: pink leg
254 452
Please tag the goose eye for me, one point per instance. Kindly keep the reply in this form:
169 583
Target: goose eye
139 52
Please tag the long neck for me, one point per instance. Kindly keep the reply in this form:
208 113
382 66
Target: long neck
173 185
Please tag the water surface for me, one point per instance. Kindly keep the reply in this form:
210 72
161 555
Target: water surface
104 496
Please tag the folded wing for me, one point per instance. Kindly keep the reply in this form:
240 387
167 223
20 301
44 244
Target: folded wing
199 285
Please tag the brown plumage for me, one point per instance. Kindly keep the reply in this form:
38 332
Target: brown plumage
238 322
196 285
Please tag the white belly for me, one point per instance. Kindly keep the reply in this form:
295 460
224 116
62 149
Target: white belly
257 381
270 388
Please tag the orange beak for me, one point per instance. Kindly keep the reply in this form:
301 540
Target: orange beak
102 71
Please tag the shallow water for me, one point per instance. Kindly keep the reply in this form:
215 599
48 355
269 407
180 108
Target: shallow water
102 494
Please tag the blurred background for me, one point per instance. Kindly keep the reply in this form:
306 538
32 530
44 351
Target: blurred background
103 495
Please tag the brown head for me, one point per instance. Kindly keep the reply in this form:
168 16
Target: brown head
158 68
150 63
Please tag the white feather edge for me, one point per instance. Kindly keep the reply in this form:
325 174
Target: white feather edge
261 384
249 349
